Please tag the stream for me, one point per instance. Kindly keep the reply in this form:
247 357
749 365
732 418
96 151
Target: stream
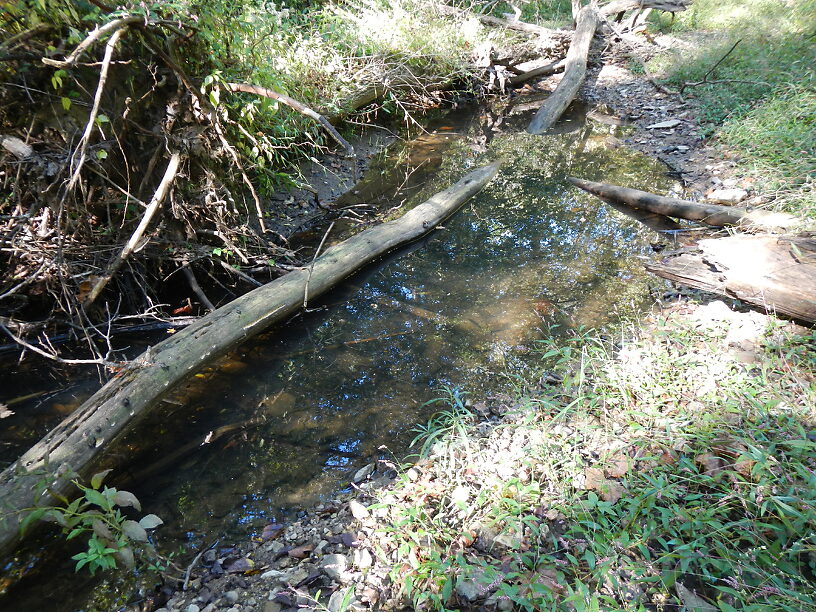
282 423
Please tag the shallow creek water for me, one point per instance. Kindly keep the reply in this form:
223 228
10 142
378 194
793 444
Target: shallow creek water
282 422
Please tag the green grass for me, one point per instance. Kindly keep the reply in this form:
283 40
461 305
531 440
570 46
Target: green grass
761 101
661 472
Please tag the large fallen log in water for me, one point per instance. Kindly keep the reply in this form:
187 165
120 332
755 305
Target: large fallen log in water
586 22
710 214
574 72
772 272
116 408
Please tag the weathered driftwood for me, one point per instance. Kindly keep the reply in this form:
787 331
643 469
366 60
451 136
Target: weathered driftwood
574 72
586 22
78 441
548 69
772 272
136 237
710 214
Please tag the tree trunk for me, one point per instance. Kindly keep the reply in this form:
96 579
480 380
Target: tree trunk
777 274
574 72
710 214
116 408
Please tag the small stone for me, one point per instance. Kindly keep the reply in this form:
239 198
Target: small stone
209 608
362 558
272 606
364 472
334 566
358 510
231 597
274 575
727 196
297 575
469 590
193 608
664 125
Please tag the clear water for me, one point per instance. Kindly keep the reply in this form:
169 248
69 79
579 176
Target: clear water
293 413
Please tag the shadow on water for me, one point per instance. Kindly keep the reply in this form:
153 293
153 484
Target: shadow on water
281 423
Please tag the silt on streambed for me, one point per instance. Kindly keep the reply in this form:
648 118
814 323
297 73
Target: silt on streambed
280 424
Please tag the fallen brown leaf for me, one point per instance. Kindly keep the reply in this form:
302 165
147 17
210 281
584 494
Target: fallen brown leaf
711 464
301 552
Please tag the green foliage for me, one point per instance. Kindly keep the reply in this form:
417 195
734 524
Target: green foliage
760 102
716 504
98 514
445 423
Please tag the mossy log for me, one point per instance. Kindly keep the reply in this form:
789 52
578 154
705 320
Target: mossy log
122 403
710 214
775 273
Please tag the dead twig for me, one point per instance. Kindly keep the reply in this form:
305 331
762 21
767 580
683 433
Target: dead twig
298 106
188 272
117 25
193 564
311 267
54 357
152 207
79 154
706 80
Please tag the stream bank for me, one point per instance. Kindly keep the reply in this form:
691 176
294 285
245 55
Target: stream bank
256 602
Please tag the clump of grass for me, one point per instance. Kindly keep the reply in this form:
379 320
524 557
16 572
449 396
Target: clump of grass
662 472
759 101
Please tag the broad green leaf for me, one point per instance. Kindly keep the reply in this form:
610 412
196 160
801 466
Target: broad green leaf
96 498
30 517
134 531
98 478
150 521
126 499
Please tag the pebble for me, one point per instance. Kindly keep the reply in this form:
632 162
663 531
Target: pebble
272 606
231 596
334 566
364 472
358 510
362 558
727 196
193 608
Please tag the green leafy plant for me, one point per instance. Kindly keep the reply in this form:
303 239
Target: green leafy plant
101 514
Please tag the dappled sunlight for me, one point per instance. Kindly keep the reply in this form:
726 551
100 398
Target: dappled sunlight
635 482
304 405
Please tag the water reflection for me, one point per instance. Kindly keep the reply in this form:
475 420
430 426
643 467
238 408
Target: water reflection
322 397
285 419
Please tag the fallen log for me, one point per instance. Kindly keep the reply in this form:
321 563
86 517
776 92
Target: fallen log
710 214
547 70
295 105
586 22
574 72
76 444
621 6
775 273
